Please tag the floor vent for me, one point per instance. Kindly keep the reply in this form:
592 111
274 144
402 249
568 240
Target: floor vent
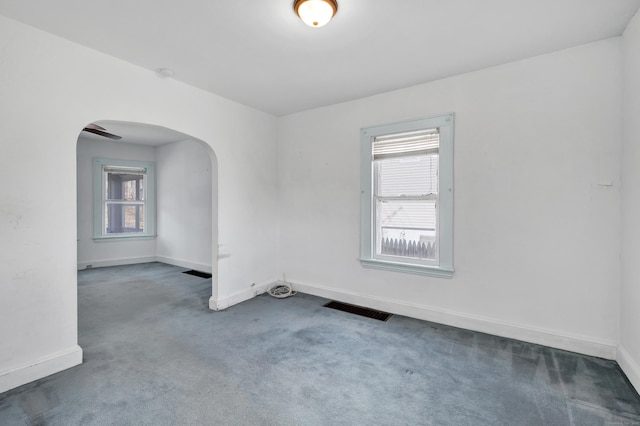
359 310
198 274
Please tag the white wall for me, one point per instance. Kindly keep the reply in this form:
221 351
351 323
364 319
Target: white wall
50 89
537 200
629 350
106 252
184 206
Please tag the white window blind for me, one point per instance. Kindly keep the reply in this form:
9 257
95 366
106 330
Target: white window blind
125 170
422 142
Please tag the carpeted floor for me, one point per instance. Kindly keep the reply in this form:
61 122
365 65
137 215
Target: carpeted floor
154 354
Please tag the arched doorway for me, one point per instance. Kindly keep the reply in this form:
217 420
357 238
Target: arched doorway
181 229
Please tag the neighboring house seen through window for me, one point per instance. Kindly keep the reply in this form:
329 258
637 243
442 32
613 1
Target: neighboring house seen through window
407 190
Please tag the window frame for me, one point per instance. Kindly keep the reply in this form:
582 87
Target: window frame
100 199
443 266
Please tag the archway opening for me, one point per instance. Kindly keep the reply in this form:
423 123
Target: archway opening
163 207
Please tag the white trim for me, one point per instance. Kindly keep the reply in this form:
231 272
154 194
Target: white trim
629 366
123 237
240 296
133 260
184 264
552 338
432 271
116 262
40 368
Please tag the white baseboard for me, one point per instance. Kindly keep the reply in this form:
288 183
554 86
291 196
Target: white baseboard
147 259
115 262
551 338
184 264
629 366
40 368
240 296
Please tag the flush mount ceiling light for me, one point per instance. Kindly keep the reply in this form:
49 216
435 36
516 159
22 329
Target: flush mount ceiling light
315 13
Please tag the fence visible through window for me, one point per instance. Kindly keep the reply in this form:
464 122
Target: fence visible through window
409 248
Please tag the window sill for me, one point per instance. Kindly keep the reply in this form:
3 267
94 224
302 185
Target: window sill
432 271
120 238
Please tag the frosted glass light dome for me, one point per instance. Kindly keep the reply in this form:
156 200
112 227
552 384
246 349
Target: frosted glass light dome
315 13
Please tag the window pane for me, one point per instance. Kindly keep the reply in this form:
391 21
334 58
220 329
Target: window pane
411 176
125 186
406 228
124 218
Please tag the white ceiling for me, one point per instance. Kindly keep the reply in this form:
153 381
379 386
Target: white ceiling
257 52
136 133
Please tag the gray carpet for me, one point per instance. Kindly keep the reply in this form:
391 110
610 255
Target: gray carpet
155 355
